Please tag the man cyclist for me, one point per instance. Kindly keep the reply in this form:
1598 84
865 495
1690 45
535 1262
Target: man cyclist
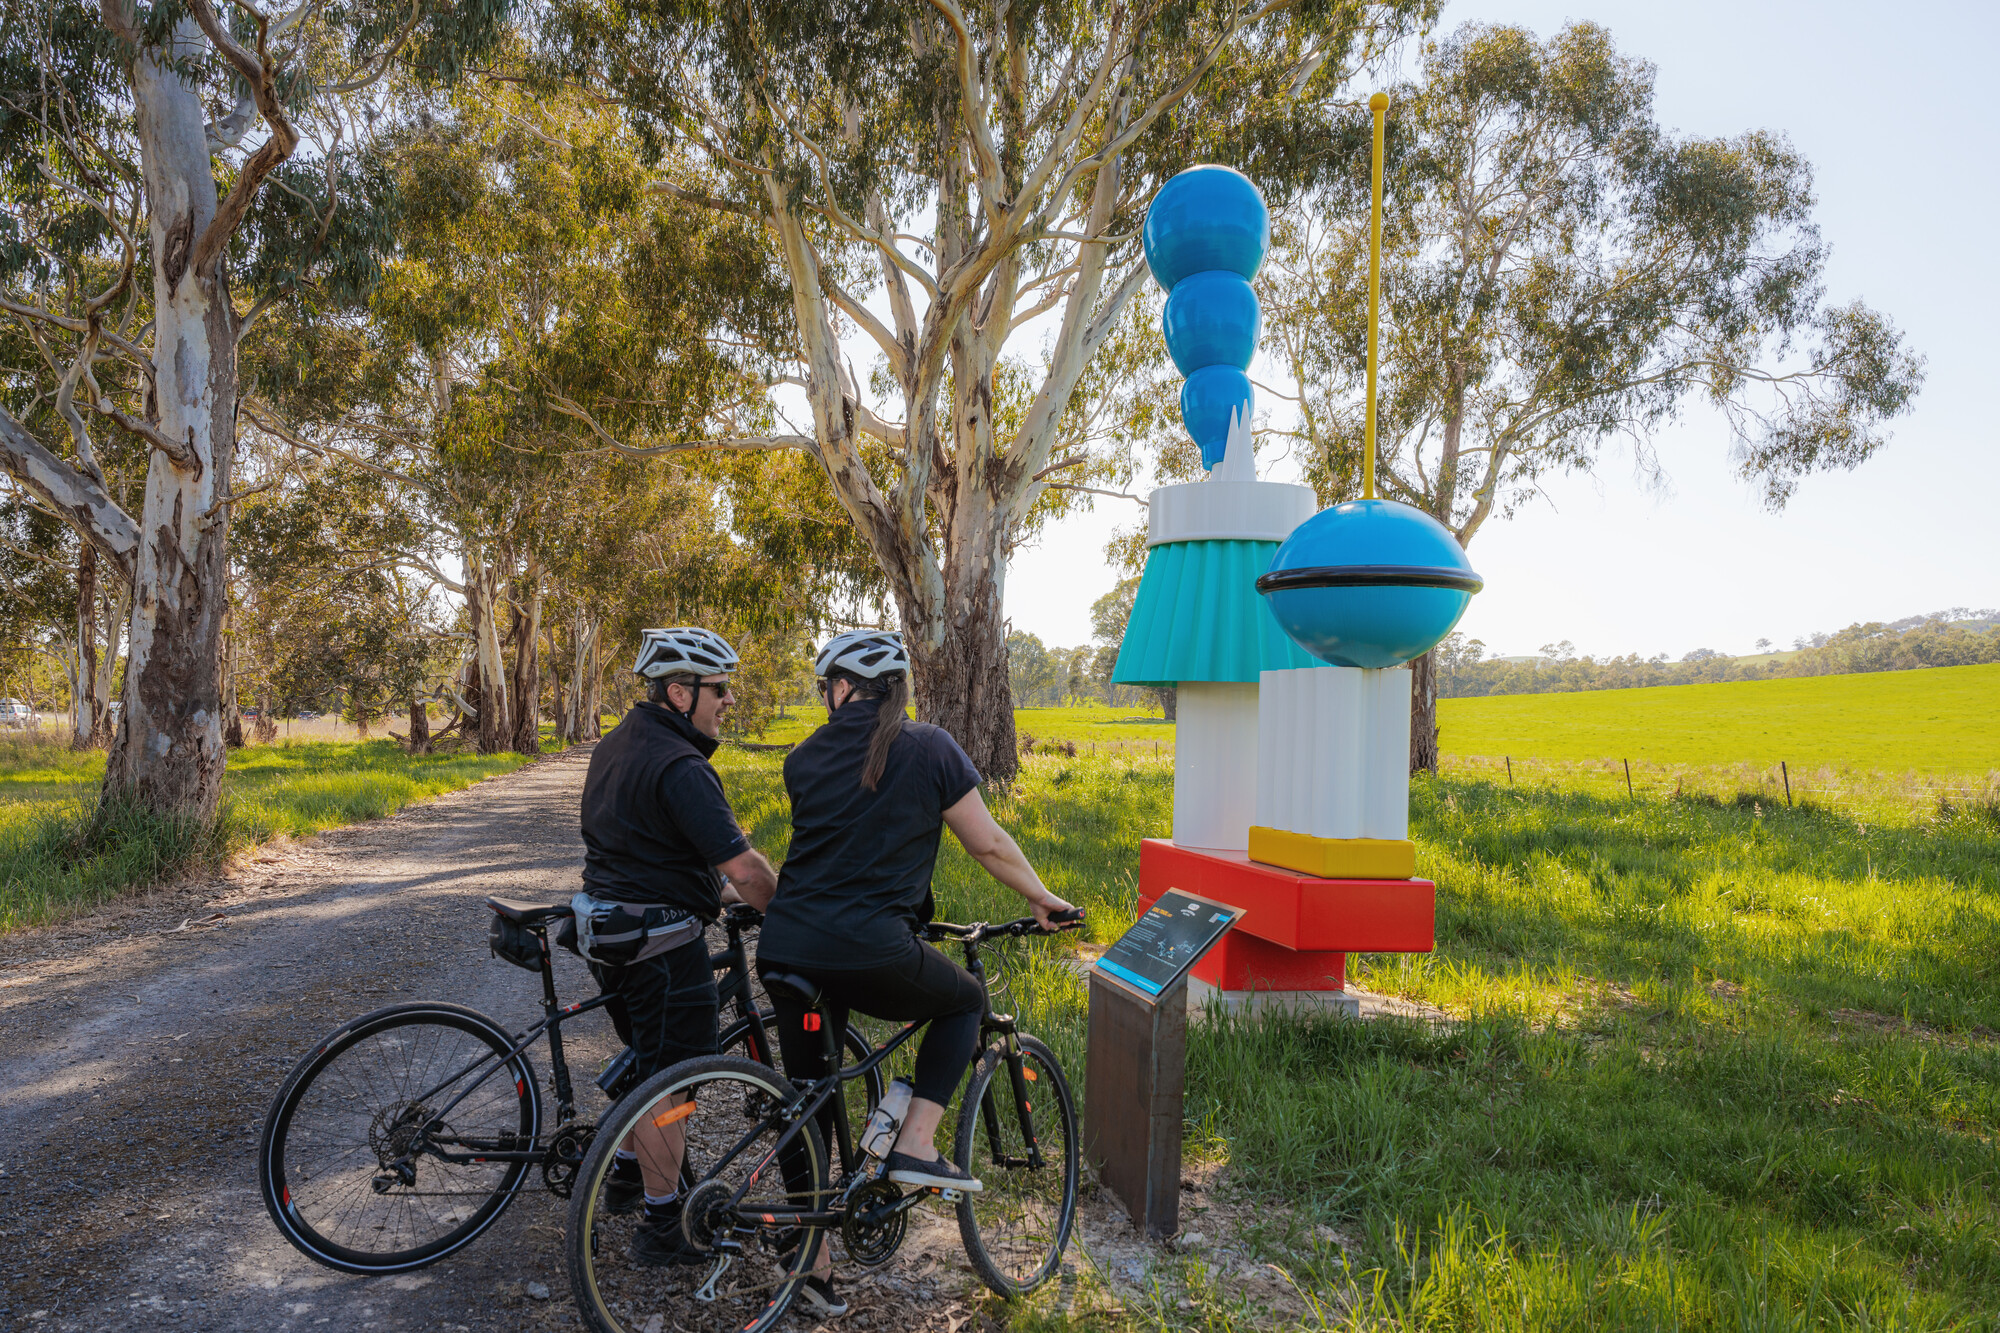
659 840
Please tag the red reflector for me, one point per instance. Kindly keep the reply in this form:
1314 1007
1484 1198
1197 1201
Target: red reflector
520 1087
288 1196
812 1022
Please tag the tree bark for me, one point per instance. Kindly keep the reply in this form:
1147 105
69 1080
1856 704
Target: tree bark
1170 701
87 704
232 711
526 601
420 726
167 755
958 656
1423 714
118 611
481 597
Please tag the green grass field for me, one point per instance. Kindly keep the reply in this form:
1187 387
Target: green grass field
1712 1065
52 864
1940 720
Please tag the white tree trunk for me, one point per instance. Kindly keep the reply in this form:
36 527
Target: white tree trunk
168 753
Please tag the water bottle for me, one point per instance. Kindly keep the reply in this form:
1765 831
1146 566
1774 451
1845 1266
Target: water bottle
878 1136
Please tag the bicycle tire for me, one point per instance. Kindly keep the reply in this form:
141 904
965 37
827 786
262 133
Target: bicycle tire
291 1151
1016 1229
858 1048
616 1293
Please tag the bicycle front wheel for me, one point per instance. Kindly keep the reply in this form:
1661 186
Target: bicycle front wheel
724 1265
371 1160
1019 1140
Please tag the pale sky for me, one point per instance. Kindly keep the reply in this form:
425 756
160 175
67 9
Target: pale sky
1893 108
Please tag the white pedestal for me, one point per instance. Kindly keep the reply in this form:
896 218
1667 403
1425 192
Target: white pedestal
1333 753
1215 764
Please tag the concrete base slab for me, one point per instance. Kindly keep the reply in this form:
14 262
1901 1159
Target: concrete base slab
1256 1002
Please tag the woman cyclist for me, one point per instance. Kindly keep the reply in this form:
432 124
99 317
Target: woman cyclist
871 793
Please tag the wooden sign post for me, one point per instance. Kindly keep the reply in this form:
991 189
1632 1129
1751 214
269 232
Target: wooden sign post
1136 1067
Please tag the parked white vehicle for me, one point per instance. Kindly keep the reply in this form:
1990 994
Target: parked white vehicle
14 713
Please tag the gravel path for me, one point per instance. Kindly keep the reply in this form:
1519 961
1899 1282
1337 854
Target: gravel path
137 1059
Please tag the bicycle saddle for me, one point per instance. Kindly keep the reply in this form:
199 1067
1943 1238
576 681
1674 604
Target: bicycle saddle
527 914
807 991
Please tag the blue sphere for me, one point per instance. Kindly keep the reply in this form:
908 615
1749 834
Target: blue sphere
1207 398
1212 319
1369 583
1206 217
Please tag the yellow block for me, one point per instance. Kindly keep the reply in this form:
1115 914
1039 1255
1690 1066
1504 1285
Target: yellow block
1333 858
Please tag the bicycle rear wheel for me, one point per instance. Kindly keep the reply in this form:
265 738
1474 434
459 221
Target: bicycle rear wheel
1016 1229
351 1163
746 1263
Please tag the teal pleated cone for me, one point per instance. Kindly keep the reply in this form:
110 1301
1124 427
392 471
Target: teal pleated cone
1198 617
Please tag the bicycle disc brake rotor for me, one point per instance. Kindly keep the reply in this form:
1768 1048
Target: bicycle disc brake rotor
564 1157
872 1245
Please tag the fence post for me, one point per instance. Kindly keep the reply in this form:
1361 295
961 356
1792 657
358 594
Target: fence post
1510 770
1787 775
1628 781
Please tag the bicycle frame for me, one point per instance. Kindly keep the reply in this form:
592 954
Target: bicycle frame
814 1099
731 958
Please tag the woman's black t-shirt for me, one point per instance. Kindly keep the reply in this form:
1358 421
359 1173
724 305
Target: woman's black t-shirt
858 872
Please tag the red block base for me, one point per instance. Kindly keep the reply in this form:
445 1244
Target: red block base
1296 930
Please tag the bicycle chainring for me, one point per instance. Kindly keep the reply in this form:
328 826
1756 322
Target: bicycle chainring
564 1158
872 1246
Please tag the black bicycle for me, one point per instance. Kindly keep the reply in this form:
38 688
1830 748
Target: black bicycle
758 1190
404 1134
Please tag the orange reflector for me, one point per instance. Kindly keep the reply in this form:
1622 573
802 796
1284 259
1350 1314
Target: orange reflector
681 1112
1030 1106
1030 1075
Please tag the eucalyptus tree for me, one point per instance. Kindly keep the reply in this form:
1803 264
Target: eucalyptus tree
1561 274
142 235
981 170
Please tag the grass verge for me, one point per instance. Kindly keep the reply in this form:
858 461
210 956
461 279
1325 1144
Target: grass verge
58 857
1711 1064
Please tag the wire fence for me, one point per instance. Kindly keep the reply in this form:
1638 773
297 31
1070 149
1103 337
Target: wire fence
1853 791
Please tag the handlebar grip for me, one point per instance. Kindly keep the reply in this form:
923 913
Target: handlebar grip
1073 917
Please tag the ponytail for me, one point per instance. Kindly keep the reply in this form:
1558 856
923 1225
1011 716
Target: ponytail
888 726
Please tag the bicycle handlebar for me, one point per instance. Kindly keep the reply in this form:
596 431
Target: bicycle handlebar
981 931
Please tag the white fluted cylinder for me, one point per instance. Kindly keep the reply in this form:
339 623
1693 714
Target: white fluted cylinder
1215 764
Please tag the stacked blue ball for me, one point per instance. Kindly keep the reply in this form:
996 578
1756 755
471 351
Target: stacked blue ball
1205 238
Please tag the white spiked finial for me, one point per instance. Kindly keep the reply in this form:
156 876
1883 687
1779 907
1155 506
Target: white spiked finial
1239 462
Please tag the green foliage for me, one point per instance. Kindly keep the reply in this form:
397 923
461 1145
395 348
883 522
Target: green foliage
1560 271
61 854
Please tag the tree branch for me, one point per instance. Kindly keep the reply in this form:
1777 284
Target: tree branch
84 504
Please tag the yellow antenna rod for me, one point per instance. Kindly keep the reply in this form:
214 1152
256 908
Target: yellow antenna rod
1378 105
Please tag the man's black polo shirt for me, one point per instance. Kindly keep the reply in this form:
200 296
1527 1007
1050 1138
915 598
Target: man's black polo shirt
858 873
655 821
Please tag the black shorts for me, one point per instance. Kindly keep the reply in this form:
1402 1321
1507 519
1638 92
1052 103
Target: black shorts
664 1007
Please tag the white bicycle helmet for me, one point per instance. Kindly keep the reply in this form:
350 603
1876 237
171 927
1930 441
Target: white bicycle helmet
685 650
866 653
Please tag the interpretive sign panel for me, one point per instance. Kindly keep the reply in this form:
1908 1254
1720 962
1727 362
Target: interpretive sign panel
1168 938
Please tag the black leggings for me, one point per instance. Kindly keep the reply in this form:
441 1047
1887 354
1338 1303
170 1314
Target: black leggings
923 983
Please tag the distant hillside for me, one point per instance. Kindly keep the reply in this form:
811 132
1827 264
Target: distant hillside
1959 637
1933 722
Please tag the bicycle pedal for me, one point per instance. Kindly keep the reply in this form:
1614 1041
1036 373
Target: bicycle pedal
951 1195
